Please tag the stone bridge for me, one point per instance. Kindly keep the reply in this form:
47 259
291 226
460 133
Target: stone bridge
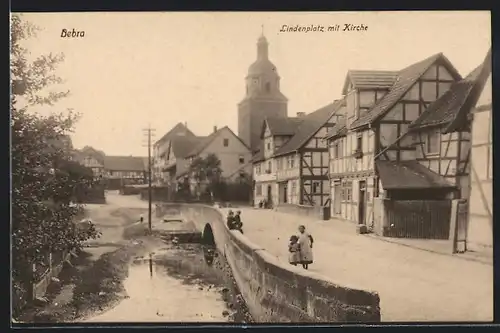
275 291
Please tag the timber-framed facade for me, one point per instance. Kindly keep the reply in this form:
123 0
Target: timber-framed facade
293 164
372 153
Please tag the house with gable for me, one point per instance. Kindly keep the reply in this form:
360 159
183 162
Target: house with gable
446 138
91 158
371 155
292 166
232 152
480 223
275 132
176 158
124 170
162 147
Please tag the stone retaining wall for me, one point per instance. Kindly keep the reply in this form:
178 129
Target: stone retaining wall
276 291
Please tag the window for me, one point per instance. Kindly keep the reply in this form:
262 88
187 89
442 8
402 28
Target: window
432 142
258 169
241 159
336 150
258 189
268 87
347 191
429 91
269 146
226 142
316 187
359 144
269 167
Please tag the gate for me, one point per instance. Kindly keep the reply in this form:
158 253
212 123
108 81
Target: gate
417 219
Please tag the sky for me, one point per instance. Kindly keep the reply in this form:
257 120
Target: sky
138 69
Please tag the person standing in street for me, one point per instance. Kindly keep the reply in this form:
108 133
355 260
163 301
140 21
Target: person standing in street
294 250
141 218
305 243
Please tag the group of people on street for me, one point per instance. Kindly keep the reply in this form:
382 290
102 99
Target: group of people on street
300 248
234 221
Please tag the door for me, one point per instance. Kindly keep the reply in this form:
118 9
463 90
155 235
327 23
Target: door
336 200
362 202
285 193
269 195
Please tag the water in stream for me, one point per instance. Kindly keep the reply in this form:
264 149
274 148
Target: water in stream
176 284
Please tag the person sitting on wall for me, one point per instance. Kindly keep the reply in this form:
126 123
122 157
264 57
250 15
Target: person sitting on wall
238 225
230 220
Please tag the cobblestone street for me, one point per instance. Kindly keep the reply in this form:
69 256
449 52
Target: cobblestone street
413 285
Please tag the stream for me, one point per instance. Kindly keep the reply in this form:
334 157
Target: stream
175 284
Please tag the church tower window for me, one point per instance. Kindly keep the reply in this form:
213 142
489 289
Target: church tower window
268 87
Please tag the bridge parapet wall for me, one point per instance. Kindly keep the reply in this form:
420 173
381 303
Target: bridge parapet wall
275 291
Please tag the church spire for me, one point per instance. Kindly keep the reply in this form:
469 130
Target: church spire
262 47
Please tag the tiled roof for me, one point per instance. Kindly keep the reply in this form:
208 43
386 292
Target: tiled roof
179 128
409 175
405 80
124 163
369 79
480 77
79 155
311 124
258 157
202 144
283 126
183 145
338 130
446 108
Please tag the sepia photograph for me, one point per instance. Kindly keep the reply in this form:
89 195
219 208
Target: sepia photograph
251 167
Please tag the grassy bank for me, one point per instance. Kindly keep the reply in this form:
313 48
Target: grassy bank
85 287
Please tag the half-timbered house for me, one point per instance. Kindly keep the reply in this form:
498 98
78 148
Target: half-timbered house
175 162
302 161
275 132
377 156
442 140
480 226
292 164
161 149
457 129
91 158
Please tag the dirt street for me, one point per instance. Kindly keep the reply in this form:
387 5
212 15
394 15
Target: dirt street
414 285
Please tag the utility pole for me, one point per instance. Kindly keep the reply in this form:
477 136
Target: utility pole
149 132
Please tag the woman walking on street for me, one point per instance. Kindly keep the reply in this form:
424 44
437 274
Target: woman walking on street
306 243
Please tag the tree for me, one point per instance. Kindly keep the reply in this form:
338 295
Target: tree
43 181
206 171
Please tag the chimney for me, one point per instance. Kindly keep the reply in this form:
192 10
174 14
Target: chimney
215 129
185 124
301 114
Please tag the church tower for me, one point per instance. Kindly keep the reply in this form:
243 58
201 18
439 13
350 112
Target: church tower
263 97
